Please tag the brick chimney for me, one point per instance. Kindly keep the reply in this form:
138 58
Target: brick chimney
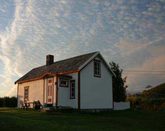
49 59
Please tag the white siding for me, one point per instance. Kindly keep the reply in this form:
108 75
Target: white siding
95 92
35 91
64 94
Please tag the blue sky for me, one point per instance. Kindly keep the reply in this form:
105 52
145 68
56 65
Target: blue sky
128 32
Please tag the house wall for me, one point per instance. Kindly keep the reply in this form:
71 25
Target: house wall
35 91
64 93
95 92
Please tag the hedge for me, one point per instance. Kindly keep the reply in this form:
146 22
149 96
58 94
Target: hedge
8 102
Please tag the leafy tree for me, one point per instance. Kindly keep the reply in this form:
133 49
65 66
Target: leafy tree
8 102
119 87
1 102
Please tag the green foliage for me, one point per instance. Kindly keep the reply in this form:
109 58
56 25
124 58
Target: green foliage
156 92
8 102
152 99
119 87
37 105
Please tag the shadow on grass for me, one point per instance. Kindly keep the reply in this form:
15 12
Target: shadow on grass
18 119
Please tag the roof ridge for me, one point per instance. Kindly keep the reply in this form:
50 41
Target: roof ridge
76 56
69 64
66 59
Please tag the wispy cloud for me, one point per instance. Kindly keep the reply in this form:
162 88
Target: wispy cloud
121 30
145 57
11 50
137 81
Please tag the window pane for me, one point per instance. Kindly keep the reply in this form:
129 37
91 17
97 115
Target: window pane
97 68
64 83
26 93
72 89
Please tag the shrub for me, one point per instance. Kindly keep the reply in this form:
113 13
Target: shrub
8 102
37 105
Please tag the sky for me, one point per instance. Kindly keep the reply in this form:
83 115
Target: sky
128 32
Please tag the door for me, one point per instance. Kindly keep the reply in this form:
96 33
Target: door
50 90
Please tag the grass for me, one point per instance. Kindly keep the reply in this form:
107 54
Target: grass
13 119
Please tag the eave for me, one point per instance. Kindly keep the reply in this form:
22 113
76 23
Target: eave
47 75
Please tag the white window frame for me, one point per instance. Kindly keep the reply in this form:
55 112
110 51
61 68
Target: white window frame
97 68
26 93
62 84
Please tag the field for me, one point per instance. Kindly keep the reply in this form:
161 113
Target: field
13 119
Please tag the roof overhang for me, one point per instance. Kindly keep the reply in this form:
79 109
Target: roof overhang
49 74
65 76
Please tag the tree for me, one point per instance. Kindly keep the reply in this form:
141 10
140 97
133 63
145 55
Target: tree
119 87
8 101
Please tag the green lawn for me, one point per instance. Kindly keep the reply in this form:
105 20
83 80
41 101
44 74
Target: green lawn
13 119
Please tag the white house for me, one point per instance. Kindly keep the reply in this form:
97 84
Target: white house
81 82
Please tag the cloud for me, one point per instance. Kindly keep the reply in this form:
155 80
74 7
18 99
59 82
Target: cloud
122 31
12 91
27 34
10 51
145 57
137 81
128 46
139 55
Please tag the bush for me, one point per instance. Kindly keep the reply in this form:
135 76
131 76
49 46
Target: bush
1 102
153 104
8 102
37 105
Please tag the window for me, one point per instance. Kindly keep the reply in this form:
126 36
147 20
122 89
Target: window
26 93
64 83
97 68
72 89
